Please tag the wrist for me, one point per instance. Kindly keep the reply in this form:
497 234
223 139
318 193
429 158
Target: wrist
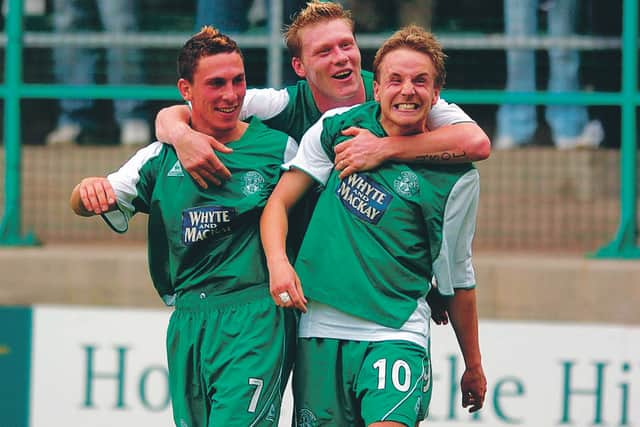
179 133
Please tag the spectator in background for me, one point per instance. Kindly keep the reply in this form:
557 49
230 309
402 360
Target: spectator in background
233 15
237 16
384 15
77 66
516 124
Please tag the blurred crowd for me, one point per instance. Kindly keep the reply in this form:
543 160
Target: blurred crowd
522 70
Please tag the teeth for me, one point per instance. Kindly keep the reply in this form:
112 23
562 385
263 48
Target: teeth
227 110
342 74
407 107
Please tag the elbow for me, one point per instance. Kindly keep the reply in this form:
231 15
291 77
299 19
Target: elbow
478 147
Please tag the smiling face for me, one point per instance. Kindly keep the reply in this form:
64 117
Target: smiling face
330 61
216 93
406 90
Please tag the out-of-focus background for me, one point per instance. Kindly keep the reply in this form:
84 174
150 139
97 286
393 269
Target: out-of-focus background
554 83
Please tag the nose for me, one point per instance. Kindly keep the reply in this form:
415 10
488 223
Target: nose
228 91
407 88
340 56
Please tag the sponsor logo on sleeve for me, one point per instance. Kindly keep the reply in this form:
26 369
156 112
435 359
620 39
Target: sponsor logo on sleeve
364 197
206 222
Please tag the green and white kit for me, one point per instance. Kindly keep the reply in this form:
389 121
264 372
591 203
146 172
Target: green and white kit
227 343
383 235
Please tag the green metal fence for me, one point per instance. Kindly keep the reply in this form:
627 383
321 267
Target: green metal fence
621 243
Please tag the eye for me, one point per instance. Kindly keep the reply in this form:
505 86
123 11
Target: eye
216 83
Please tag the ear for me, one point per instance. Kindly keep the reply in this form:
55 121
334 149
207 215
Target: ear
376 89
436 96
298 67
185 89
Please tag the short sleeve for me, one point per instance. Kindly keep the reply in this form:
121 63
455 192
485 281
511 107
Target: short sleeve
444 114
453 267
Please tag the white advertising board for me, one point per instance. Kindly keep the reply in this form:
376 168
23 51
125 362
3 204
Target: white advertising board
107 367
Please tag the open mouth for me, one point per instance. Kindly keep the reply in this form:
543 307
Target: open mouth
342 75
227 109
406 106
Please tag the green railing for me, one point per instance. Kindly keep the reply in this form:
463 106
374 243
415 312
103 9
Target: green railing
623 244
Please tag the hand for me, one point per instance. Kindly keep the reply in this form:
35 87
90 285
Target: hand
474 387
438 305
97 195
360 153
283 279
197 157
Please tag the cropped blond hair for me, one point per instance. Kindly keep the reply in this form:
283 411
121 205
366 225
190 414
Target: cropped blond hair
316 11
415 38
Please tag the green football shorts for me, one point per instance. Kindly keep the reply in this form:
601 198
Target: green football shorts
355 383
229 359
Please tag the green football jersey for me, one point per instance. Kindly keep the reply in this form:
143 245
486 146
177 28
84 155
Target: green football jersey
377 238
204 239
298 111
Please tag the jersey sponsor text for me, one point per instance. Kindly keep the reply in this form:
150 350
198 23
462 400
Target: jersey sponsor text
363 197
204 222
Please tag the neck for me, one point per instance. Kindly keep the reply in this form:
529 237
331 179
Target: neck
394 130
224 136
325 103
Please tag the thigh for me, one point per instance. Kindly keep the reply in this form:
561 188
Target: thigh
251 362
394 383
323 381
188 392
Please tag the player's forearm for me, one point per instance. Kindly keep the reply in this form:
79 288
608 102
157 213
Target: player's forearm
274 225
459 143
464 319
172 124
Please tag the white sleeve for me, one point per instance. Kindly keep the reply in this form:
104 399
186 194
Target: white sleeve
311 157
453 267
443 114
124 182
264 103
291 149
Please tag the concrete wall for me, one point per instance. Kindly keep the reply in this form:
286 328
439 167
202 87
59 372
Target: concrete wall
510 286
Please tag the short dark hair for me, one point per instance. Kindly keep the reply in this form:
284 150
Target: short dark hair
209 41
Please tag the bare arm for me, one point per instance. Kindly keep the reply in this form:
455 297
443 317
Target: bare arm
195 150
464 319
93 196
458 143
274 225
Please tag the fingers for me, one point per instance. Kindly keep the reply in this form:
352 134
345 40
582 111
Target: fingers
290 296
97 196
214 172
349 170
219 169
351 131
472 402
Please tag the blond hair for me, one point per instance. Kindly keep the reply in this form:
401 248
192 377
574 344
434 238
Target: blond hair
316 11
415 38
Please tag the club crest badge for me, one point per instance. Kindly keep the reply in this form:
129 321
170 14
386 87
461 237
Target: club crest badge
252 182
406 184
